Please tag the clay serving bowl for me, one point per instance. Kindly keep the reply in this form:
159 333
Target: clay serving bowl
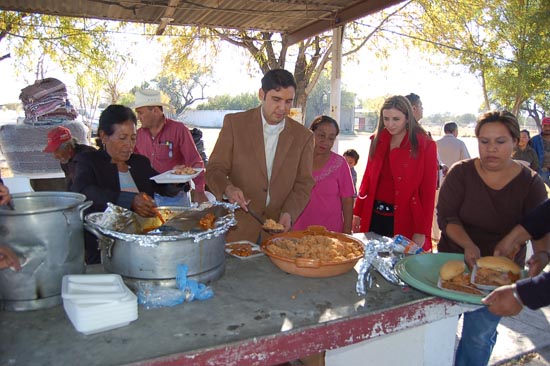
312 267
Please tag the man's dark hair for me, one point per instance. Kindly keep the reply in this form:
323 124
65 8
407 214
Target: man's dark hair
450 127
115 114
413 98
277 79
352 154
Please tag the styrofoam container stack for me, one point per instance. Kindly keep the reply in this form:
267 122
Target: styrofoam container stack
96 303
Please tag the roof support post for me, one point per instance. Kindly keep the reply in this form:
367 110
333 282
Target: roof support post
336 77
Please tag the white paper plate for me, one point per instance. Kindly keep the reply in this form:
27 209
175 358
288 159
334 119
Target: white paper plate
93 288
253 246
457 291
170 177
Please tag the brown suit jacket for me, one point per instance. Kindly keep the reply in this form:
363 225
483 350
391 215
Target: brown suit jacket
239 158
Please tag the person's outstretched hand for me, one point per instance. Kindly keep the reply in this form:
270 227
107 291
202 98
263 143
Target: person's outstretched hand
8 259
285 220
144 205
5 196
502 301
235 195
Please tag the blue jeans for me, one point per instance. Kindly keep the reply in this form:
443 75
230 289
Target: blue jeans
181 200
479 335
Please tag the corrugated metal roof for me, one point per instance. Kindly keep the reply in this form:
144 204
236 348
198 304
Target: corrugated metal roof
298 19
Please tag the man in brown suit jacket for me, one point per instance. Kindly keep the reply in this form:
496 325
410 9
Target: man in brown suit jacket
263 159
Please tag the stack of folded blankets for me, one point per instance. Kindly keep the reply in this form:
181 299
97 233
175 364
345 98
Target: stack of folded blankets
46 107
46 102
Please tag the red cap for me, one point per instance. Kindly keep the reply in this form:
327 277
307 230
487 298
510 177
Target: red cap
546 121
56 137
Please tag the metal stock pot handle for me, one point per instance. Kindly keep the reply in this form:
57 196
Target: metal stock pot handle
104 241
93 230
82 207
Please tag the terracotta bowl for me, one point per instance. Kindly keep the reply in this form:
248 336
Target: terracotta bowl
308 267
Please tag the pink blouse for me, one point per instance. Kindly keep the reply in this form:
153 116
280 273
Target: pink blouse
332 183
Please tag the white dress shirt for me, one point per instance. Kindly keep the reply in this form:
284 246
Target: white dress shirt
271 138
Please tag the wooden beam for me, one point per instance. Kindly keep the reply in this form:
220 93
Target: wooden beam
167 17
347 15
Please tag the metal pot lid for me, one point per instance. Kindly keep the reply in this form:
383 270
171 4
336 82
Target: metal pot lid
30 203
225 218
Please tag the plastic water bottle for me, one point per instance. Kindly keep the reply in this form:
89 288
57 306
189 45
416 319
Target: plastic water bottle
405 245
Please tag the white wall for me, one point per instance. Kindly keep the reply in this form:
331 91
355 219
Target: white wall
210 119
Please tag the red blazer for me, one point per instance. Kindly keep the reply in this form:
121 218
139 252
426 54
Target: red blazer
415 184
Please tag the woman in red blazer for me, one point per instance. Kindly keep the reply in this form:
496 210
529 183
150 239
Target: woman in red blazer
397 193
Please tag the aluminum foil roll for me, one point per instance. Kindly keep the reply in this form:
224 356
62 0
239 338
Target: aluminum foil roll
381 254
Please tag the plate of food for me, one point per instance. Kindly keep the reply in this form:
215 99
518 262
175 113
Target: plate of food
454 276
422 271
180 175
243 249
491 272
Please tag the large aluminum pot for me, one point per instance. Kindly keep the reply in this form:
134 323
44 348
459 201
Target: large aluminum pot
156 257
45 231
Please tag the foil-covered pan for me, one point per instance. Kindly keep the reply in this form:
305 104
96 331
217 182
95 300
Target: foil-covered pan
180 223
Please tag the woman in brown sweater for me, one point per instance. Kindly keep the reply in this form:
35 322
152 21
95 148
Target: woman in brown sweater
480 201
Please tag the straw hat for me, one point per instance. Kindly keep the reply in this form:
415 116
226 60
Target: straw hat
149 98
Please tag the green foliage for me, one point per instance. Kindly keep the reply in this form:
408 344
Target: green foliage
504 42
126 99
271 50
82 47
12 107
374 104
69 42
239 102
181 91
185 74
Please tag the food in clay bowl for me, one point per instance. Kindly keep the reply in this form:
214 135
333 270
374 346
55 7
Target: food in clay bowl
315 252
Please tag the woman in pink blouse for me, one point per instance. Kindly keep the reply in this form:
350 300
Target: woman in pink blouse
331 200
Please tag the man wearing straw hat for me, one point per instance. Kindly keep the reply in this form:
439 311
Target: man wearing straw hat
167 143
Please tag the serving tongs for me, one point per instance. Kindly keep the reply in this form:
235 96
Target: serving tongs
255 215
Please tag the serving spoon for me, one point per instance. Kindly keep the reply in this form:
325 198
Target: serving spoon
258 218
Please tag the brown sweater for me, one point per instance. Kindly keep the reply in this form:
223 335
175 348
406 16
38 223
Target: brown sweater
486 214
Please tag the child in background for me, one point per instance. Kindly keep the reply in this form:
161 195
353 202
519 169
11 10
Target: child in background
352 157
